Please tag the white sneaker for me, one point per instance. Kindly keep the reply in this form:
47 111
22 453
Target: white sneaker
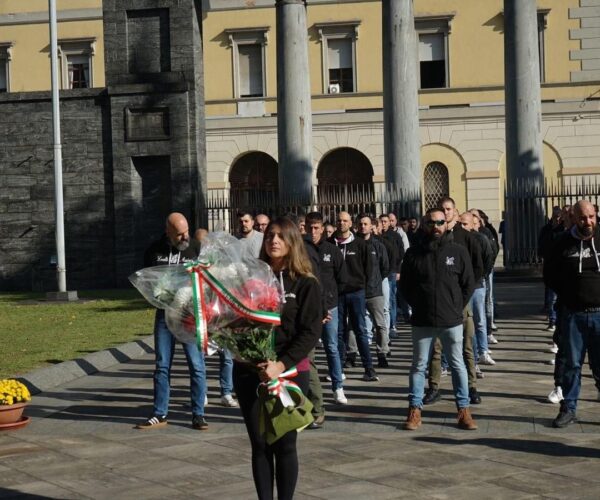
445 372
486 359
553 349
328 378
551 328
489 352
339 397
494 327
228 401
556 396
492 339
205 400
478 372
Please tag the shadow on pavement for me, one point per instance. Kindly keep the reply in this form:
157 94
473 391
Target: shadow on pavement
551 448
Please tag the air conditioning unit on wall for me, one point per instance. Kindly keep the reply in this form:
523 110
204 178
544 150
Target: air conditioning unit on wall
334 88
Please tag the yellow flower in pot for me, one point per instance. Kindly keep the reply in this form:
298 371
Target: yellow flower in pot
13 398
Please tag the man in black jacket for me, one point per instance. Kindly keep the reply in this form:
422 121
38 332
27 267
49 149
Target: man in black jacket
352 301
332 272
374 292
437 280
174 248
465 239
572 270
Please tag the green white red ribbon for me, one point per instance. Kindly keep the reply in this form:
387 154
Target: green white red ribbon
200 275
281 386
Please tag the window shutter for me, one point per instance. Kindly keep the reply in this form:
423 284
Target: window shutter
250 70
431 48
339 53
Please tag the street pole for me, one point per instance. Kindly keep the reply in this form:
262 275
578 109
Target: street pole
61 265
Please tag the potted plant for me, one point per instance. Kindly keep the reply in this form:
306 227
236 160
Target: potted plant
13 398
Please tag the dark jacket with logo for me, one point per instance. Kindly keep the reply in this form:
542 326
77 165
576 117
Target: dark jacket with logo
332 272
487 255
162 253
380 267
437 281
572 270
358 262
301 319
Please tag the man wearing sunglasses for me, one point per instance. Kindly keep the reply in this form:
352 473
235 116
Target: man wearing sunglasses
437 280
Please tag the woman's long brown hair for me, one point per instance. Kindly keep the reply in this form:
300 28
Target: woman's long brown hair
296 261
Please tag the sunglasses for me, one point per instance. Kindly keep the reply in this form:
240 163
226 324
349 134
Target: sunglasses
438 223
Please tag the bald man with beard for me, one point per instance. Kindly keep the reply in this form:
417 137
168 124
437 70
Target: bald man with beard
572 270
174 248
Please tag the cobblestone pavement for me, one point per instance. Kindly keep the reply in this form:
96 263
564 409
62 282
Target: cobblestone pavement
81 442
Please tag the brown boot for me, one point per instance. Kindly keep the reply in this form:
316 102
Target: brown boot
413 421
465 420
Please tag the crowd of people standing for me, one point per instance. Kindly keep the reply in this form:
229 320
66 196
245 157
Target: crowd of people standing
348 284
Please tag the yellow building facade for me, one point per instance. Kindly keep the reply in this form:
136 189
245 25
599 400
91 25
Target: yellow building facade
25 45
461 97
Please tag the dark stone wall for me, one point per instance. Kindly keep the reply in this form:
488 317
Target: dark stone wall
132 153
27 244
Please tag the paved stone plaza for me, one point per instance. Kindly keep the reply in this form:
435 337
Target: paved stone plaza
81 442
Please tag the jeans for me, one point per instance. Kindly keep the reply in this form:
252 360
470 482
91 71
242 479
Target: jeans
489 302
478 306
393 304
225 372
580 333
330 343
385 288
375 306
352 310
403 305
452 343
164 346
549 302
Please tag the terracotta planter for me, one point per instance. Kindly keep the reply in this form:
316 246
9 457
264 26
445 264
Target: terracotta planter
9 414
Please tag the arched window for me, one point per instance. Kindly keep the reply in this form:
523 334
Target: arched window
435 184
253 180
344 166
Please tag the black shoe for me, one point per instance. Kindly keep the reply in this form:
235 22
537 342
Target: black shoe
431 396
153 422
382 362
474 396
199 423
370 375
394 335
565 417
350 360
317 423
389 355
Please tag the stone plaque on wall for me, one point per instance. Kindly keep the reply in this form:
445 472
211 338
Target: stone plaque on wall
148 41
149 124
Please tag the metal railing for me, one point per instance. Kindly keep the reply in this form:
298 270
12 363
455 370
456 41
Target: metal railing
528 207
222 205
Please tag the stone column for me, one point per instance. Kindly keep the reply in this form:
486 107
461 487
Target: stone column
522 92
401 99
524 172
294 119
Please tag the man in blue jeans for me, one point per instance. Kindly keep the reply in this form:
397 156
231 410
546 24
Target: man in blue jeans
572 270
332 272
352 303
437 280
174 248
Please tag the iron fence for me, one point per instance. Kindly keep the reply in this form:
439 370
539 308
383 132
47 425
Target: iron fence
528 207
223 205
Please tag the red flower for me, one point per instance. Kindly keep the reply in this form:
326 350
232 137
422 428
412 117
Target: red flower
257 295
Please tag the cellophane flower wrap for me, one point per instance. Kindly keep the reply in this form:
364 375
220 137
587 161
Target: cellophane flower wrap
227 295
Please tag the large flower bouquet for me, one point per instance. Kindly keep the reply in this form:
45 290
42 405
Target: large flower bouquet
226 296
232 300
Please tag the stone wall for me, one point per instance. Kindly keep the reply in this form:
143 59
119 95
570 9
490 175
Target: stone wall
27 244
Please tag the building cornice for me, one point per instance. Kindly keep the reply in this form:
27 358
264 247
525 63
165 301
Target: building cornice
42 16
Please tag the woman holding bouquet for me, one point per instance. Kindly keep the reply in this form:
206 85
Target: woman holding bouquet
301 324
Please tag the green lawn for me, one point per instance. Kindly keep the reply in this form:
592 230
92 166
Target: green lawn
33 335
